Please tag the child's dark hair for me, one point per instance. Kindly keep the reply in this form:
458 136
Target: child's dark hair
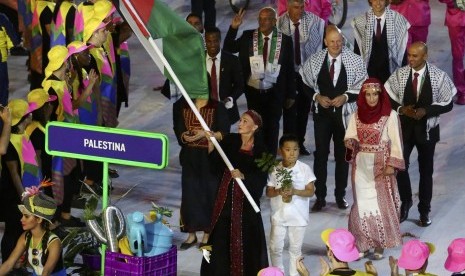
288 137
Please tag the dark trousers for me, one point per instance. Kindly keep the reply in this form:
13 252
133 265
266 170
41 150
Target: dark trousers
326 126
205 6
270 108
4 83
425 166
13 229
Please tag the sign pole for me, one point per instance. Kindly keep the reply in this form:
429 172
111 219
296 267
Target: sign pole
104 205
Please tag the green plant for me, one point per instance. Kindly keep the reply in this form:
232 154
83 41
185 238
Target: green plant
267 162
284 177
81 241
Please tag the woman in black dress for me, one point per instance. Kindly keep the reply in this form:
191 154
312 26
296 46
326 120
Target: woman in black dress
199 184
237 236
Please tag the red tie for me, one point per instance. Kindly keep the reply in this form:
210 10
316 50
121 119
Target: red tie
331 69
265 51
297 44
378 29
415 85
213 81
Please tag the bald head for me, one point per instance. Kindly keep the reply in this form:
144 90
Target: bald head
420 46
333 40
417 55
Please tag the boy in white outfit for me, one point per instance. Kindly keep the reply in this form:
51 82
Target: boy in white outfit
291 217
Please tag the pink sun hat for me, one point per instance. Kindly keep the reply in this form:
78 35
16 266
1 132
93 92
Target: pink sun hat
270 271
455 261
38 97
414 254
342 243
77 47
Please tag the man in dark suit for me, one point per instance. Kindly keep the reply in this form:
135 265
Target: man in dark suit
335 75
420 92
267 60
226 82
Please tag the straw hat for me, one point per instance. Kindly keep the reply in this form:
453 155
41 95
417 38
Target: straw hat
18 108
103 9
91 27
56 57
76 47
342 244
39 205
38 97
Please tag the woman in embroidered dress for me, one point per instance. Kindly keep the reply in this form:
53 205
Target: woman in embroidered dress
42 247
199 184
237 236
374 147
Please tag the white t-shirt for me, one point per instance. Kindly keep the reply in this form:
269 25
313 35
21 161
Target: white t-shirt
294 213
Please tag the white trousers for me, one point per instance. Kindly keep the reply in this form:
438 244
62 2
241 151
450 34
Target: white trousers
296 237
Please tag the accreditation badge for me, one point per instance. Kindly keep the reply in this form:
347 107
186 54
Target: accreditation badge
257 67
272 72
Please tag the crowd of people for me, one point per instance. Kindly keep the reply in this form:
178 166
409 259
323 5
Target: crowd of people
78 73
376 101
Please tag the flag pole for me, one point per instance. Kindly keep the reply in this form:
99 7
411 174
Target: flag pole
202 122
160 55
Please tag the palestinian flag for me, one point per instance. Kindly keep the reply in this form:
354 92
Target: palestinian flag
157 26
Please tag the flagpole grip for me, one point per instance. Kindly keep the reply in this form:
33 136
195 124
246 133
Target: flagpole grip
202 122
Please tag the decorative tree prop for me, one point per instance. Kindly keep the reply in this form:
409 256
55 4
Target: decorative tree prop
112 230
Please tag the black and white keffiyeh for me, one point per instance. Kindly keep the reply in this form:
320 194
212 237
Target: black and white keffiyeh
355 70
442 87
396 31
312 32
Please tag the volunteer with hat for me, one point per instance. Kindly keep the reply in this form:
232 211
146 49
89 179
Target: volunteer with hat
20 169
43 248
455 261
40 105
413 258
55 83
83 83
341 250
95 34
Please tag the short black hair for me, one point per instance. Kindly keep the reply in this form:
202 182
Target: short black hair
213 30
193 14
288 137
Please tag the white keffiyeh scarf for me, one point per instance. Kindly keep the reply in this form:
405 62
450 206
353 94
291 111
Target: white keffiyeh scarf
442 87
355 70
312 32
396 31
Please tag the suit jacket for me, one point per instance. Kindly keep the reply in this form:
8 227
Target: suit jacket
231 82
399 89
285 84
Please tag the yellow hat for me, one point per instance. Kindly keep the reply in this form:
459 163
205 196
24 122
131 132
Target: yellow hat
18 108
56 57
103 9
38 97
91 27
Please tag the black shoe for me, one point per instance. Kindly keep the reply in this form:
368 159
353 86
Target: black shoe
112 173
187 245
96 188
319 204
424 221
303 150
342 203
404 208
72 222
19 51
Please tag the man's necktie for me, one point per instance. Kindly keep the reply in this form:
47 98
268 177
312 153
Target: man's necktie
297 44
415 85
378 29
265 51
213 81
331 69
